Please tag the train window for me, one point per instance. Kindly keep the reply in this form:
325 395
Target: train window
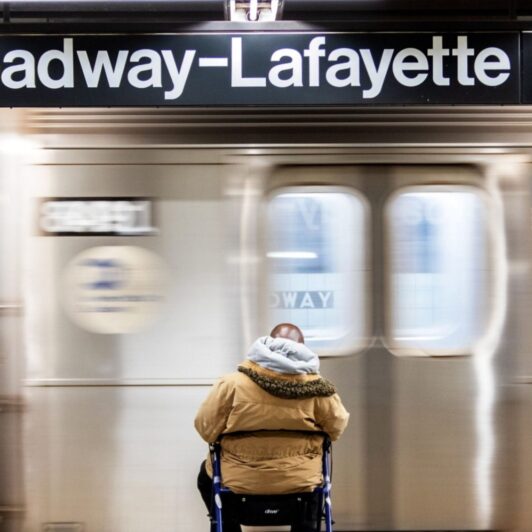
317 273
439 269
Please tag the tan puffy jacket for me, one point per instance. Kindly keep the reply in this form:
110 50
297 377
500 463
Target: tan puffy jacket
256 399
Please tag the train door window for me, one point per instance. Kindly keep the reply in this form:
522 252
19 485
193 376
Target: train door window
316 250
439 269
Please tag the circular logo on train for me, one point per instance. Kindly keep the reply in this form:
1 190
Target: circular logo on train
115 289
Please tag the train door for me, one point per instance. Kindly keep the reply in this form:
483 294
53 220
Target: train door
396 274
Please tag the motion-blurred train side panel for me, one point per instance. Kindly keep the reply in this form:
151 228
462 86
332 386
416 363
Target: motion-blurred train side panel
151 258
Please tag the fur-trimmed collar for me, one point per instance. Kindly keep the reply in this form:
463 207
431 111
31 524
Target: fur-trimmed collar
287 386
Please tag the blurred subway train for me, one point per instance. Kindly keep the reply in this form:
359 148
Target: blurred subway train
147 269
145 247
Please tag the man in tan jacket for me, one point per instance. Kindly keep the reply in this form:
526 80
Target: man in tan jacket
271 413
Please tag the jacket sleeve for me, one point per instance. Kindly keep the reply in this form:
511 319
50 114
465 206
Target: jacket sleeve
211 419
331 416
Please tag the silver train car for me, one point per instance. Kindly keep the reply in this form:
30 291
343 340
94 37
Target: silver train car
144 249
419 309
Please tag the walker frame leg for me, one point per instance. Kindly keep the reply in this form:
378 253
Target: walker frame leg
216 505
327 486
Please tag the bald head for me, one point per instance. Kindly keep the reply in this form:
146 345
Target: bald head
289 331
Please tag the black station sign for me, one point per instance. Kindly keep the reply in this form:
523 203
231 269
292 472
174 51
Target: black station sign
264 69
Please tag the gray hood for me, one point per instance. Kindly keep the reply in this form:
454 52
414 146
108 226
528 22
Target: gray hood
283 355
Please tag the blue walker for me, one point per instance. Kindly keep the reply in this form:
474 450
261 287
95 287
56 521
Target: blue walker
263 510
